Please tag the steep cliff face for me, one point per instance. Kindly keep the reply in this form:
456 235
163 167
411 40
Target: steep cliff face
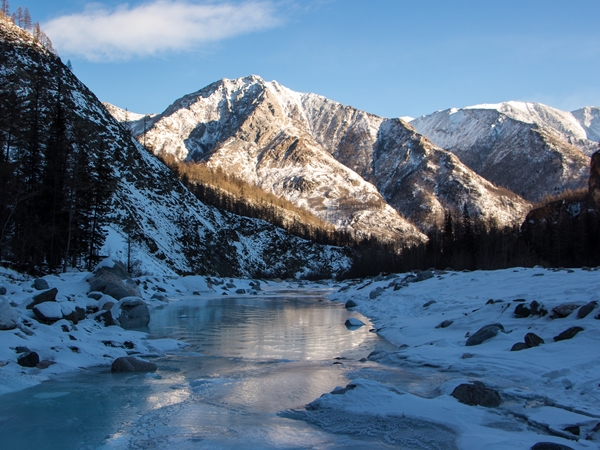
346 166
151 212
529 148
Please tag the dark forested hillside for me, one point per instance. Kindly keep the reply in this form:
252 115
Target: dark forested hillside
54 170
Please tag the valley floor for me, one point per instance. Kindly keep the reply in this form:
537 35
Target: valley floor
549 393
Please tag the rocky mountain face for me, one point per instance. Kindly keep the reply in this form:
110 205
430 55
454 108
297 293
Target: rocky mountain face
152 215
589 118
529 148
353 169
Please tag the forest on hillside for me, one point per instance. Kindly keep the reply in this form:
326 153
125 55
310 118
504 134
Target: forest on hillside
460 242
55 172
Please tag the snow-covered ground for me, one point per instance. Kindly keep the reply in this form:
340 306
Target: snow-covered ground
549 393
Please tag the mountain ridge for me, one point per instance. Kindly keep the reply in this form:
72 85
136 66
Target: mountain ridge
248 125
529 148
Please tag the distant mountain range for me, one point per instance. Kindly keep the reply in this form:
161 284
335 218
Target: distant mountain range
529 148
348 167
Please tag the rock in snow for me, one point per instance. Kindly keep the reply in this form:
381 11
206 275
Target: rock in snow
46 296
8 316
484 333
568 334
134 313
40 284
477 393
48 312
132 364
353 322
28 359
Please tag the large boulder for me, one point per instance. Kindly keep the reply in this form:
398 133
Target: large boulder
39 284
114 281
564 310
550 446
476 393
48 312
8 315
132 364
134 313
46 296
568 334
28 359
484 333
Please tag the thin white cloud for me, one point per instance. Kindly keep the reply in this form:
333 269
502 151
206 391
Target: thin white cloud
155 27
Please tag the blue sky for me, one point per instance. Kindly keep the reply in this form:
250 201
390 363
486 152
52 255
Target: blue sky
388 57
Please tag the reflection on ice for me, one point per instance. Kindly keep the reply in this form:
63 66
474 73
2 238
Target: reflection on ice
261 328
248 359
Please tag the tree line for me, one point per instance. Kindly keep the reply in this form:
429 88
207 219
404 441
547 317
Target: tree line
217 188
568 238
22 18
55 173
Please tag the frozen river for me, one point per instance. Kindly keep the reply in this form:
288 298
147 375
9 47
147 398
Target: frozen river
249 360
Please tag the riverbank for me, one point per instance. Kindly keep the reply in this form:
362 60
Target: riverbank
549 391
64 346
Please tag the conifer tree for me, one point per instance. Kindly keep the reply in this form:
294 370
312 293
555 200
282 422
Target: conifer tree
19 17
6 8
27 19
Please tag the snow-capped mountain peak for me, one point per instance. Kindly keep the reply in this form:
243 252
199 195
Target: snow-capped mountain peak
530 148
344 165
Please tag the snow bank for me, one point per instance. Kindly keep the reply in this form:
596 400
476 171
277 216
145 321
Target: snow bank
550 392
